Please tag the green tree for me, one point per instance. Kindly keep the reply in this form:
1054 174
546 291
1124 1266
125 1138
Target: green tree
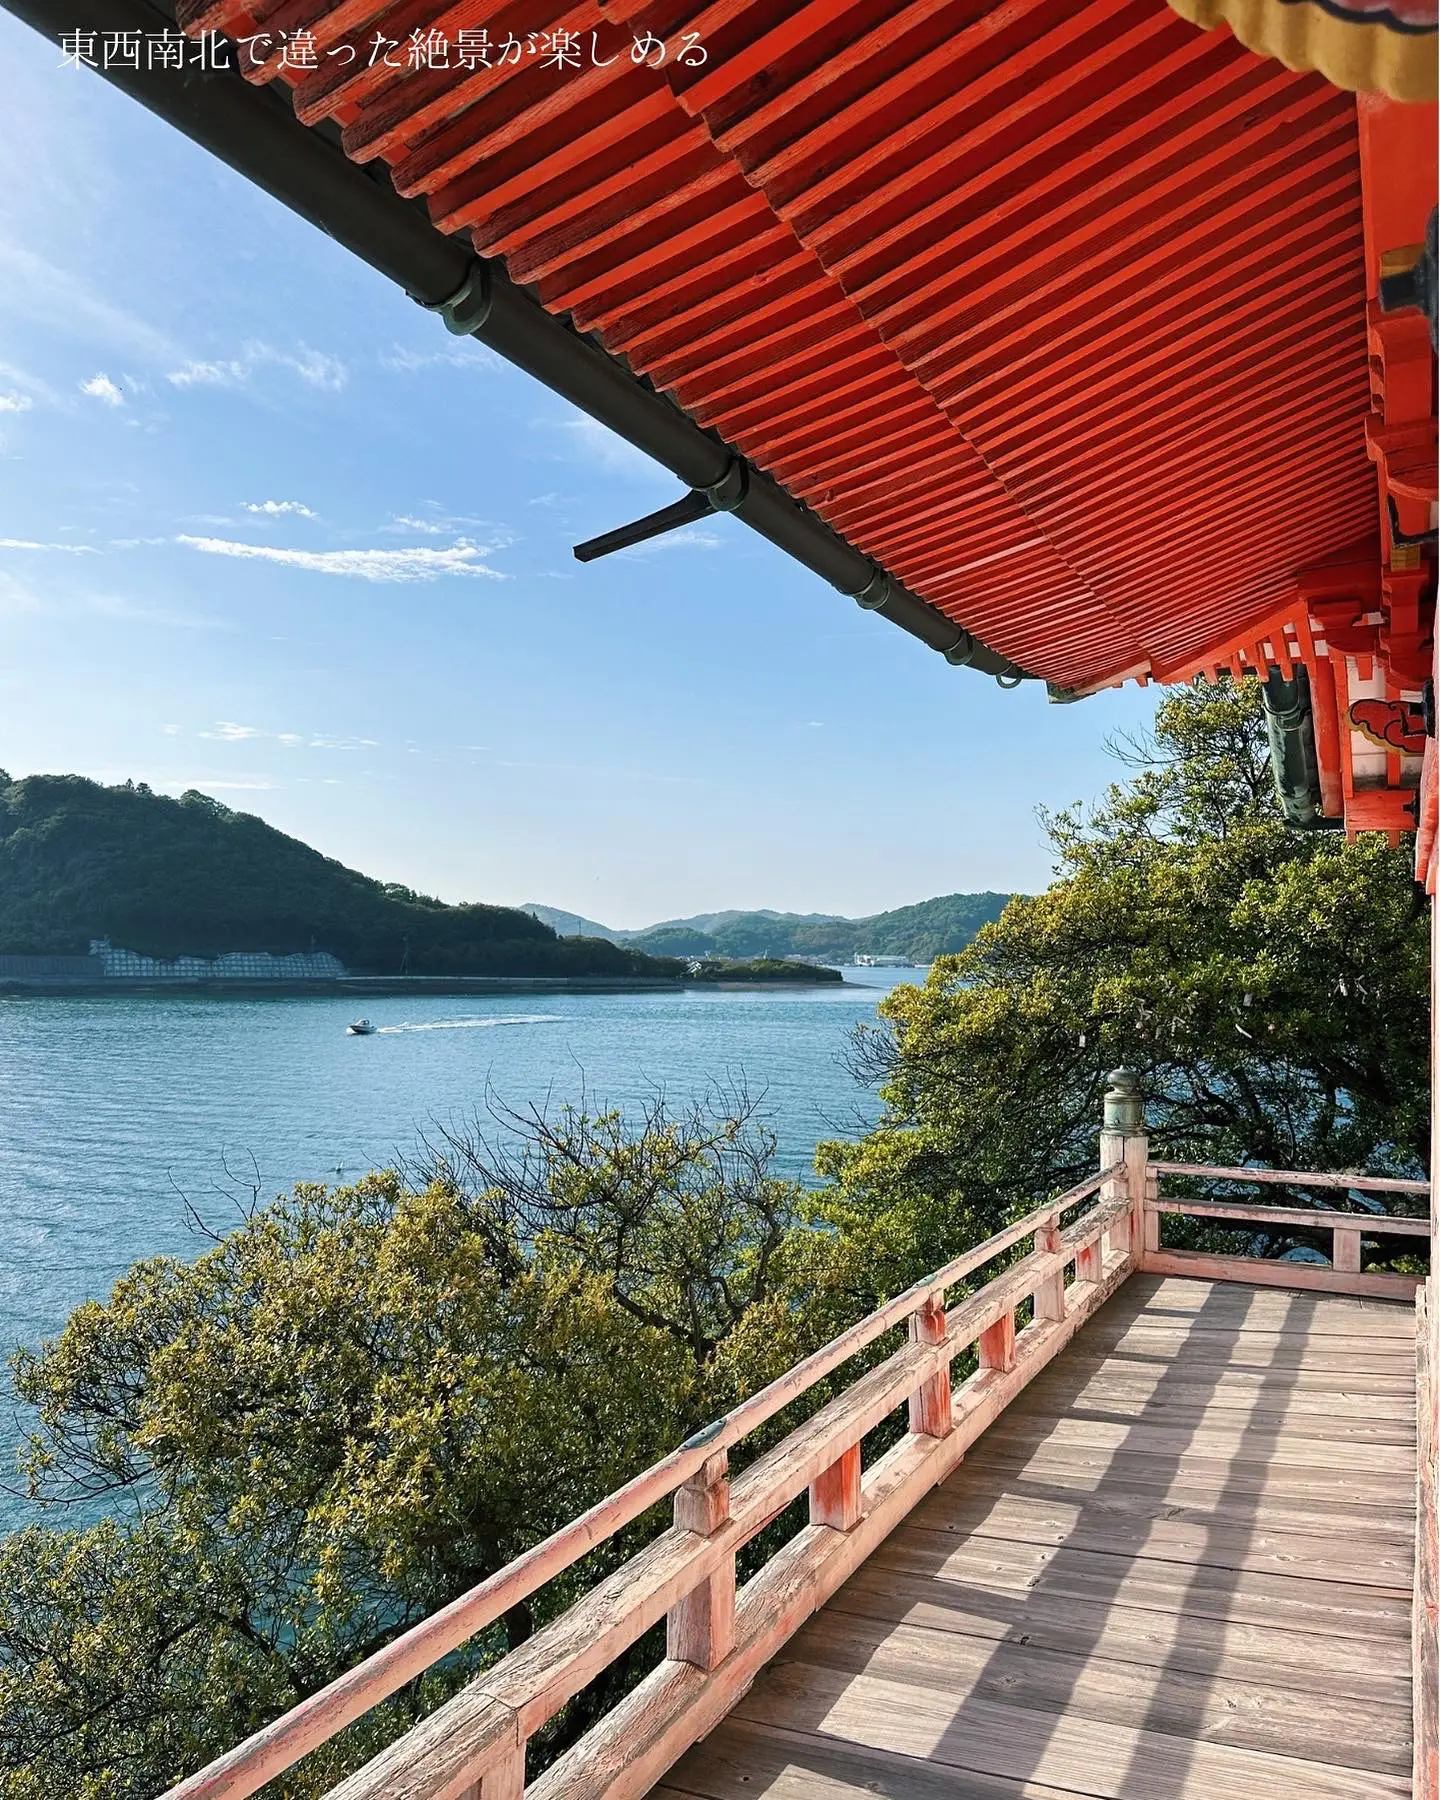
1268 984
350 1410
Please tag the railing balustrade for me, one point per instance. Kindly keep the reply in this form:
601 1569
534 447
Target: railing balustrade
718 1634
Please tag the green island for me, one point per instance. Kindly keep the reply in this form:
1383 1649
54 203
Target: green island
190 877
943 926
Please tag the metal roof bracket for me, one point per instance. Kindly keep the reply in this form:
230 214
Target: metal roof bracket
725 495
468 307
876 592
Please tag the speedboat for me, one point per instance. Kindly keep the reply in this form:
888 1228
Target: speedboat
361 1028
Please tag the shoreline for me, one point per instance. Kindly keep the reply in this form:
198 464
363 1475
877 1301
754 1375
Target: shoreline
360 985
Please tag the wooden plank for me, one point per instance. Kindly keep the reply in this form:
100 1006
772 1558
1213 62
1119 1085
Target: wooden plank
743 1761
1202 1706
1325 1394
1270 1449
1196 1475
1385 1560
1271 1309
1121 1516
1363 1184
1367 1667
1181 1298
1298 1424
1254 1350
1257 1271
1311 1378
1294 1603
1313 1511
1112 1762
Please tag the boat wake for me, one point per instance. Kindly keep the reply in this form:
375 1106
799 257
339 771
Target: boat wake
473 1024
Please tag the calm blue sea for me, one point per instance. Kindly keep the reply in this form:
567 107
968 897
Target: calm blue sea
112 1109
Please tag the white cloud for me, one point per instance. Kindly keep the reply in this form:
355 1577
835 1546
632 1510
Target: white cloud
171 730
453 525
274 508
292 740
29 387
15 403
65 549
418 563
460 353
695 539
101 387
228 732
316 368
208 374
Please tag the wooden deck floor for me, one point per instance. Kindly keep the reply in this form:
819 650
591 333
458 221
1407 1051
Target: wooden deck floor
1177 1568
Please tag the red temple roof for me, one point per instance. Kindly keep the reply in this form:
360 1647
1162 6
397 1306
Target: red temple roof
1055 310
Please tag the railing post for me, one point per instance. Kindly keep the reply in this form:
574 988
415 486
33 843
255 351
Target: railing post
1050 1292
1123 1139
995 1347
700 1629
835 1495
1345 1253
929 1406
503 1780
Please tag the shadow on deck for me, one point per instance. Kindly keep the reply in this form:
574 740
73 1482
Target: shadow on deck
1179 1565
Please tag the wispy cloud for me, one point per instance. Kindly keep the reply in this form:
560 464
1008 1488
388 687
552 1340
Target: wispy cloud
26 386
228 732
15 403
459 353
417 563
321 742
34 282
458 526
693 539
274 508
64 549
101 387
316 368
587 440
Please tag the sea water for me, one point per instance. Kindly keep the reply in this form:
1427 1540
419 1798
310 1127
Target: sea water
122 1115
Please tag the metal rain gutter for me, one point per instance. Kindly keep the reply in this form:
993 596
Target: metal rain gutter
255 132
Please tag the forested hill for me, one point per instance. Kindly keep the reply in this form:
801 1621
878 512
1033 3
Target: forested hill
921 932
191 877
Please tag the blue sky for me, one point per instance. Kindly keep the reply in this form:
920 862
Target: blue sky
267 530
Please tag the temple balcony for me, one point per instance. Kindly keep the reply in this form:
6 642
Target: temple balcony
1173 1538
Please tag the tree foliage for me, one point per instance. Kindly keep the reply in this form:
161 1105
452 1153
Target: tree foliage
350 1410
1268 984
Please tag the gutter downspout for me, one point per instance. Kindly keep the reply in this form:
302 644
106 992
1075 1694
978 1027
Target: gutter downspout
1290 727
255 132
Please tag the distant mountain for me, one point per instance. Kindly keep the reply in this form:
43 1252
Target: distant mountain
569 924
921 932
189 877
